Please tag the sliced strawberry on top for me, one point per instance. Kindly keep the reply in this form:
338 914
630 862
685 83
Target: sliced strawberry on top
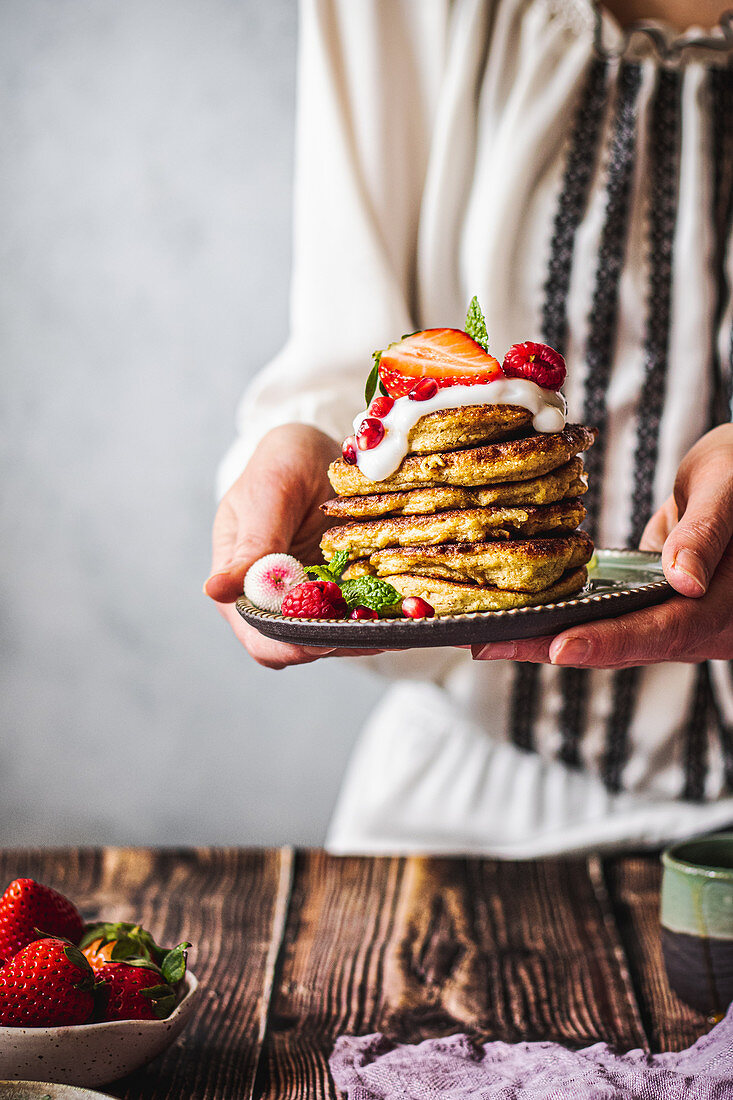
447 355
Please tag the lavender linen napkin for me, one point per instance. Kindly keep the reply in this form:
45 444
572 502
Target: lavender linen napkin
373 1068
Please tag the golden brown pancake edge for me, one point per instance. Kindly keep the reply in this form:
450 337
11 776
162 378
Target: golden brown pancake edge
458 525
509 460
453 597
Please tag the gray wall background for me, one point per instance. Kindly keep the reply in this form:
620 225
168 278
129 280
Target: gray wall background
145 194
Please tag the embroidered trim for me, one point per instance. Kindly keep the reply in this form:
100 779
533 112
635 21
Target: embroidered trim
721 96
695 734
625 689
523 706
664 145
584 144
644 38
599 356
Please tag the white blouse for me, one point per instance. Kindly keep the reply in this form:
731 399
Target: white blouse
577 178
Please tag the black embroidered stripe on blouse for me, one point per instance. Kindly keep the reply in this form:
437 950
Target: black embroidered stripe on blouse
585 140
664 154
599 356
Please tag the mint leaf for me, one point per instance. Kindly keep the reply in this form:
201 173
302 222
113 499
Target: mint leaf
332 570
338 563
320 572
373 380
372 592
476 324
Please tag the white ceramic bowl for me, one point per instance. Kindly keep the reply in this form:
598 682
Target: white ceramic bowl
91 1054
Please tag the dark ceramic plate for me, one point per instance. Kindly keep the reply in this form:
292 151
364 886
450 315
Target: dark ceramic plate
619 581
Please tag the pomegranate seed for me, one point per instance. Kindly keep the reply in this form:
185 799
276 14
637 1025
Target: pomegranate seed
348 450
424 390
380 406
370 434
364 613
413 607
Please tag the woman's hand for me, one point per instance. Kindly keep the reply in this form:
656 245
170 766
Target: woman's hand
273 507
694 530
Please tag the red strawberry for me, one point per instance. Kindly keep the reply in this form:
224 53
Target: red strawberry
26 906
134 990
537 362
47 984
315 600
448 355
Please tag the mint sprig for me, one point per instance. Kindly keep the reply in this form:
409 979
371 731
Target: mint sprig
476 324
372 592
332 570
374 382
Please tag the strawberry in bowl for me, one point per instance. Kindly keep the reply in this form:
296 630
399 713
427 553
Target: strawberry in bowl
84 1012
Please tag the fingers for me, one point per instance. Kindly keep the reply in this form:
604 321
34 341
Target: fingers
534 650
258 517
279 655
703 494
659 526
672 631
276 497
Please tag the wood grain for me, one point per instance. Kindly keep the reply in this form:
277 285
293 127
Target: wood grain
422 947
226 903
634 884
293 951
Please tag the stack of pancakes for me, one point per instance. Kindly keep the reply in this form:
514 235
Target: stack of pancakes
481 515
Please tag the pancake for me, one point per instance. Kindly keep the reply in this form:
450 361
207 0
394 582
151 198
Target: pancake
509 460
449 429
360 567
461 525
525 565
453 597
566 481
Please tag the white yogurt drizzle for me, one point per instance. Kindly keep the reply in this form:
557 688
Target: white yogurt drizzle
547 407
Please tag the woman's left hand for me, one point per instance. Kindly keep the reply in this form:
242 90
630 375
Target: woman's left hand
694 531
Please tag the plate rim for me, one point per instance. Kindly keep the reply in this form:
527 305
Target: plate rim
247 609
69 1092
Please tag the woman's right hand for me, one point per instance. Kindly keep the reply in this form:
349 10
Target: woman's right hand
273 507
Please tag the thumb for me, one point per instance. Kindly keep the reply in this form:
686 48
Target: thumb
704 497
259 516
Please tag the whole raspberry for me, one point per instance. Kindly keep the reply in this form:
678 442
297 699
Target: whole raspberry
537 362
315 600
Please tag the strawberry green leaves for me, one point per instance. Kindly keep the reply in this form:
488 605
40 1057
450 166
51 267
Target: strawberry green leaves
173 966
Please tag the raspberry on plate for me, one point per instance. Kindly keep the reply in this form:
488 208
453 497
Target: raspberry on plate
537 362
447 355
315 600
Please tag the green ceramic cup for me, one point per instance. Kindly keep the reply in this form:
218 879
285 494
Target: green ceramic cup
697 921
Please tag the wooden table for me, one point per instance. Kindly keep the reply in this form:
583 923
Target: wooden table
295 948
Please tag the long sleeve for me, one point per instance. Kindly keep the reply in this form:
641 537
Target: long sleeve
368 83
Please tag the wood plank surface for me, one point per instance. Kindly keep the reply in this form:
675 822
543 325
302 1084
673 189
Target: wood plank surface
294 951
422 947
227 903
634 885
